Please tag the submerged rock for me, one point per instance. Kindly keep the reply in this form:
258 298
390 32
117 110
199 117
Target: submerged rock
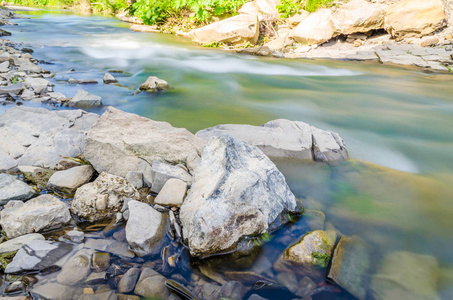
102 198
128 281
406 275
237 30
237 192
69 180
14 189
285 139
350 265
145 228
75 269
154 84
85 99
414 18
121 142
40 213
151 285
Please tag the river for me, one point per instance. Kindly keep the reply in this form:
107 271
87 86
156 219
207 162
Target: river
394 117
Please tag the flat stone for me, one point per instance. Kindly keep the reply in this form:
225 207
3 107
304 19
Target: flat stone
17 243
162 172
82 81
69 180
30 68
151 285
14 189
85 99
56 291
75 269
74 236
358 16
6 162
37 255
96 278
110 246
429 42
100 261
350 265
11 89
41 213
108 78
154 85
172 194
237 192
128 281
38 85
145 228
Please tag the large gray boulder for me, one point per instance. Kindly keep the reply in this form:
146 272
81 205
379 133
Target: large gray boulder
40 137
69 180
14 189
145 228
102 198
40 213
237 191
121 142
285 139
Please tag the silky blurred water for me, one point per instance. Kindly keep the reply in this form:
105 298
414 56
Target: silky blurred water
395 117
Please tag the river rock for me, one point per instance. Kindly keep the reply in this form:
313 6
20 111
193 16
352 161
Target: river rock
6 162
37 255
414 18
406 275
75 269
102 198
135 178
14 189
350 265
82 81
128 281
284 139
11 89
151 285
358 16
317 28
154 85
145 228
40 213
237 191
100 261
69 180
230 290
162 172
40 137
309 254
38 85
108 78
110 246
172 194
4 67
121 142
237 30
55 291
85 99
17 243
260 8
30 68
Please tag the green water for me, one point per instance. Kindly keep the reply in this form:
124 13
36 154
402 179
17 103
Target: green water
394 117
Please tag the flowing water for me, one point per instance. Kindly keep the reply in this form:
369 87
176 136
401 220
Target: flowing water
394 117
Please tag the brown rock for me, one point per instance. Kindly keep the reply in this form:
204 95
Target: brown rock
429 42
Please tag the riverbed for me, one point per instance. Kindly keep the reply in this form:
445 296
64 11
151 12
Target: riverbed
397 119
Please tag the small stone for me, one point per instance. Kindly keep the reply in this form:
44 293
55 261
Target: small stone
75 269
154 84
4 67
127 297
82 81
100 261
172 193
161 172
358 43
85 99
128 281
75 236
14 189
96 278
17 243
67 163
429 42
108 78
15 287
88 291
151 285
69 180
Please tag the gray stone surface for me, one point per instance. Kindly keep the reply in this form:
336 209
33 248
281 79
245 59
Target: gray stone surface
69 180
14 189
172 194
76 269
40 137
161 172
154 84
85 99
108 78
121 142
102 198
145 228
12 88
151 285
37 255
128 281
37 85
284 139
6 161
16 243
237 191
135 178
110 246
40 213
55 291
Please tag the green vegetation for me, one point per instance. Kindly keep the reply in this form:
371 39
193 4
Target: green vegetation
288 8
322 259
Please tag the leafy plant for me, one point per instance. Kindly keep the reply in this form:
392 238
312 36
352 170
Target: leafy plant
288 8
259 240
314 5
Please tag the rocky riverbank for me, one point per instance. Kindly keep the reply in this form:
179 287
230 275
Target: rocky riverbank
407 32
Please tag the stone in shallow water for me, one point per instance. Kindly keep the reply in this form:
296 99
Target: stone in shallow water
154 84
76 268
128 281
145 228
350 265
237 191
85 99
151 285
37 255
14 189
406 275
100 261
108 78
38 214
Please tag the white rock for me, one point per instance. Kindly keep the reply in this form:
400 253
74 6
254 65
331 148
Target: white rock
14 189
108 78
154 85
69 180
6 161
38 85
358 16
161 172
17 243
40 213
76 268
30 68
317 28
172 193
27 95
237 191
85 99
145 228
4 67
12 88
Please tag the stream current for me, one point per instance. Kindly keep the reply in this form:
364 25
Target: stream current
397 119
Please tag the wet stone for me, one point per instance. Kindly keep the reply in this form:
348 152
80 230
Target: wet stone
96 278
17 243
127 297
128 281
230 290
75 269
100 261
14 189
15 287
108 295
151 285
